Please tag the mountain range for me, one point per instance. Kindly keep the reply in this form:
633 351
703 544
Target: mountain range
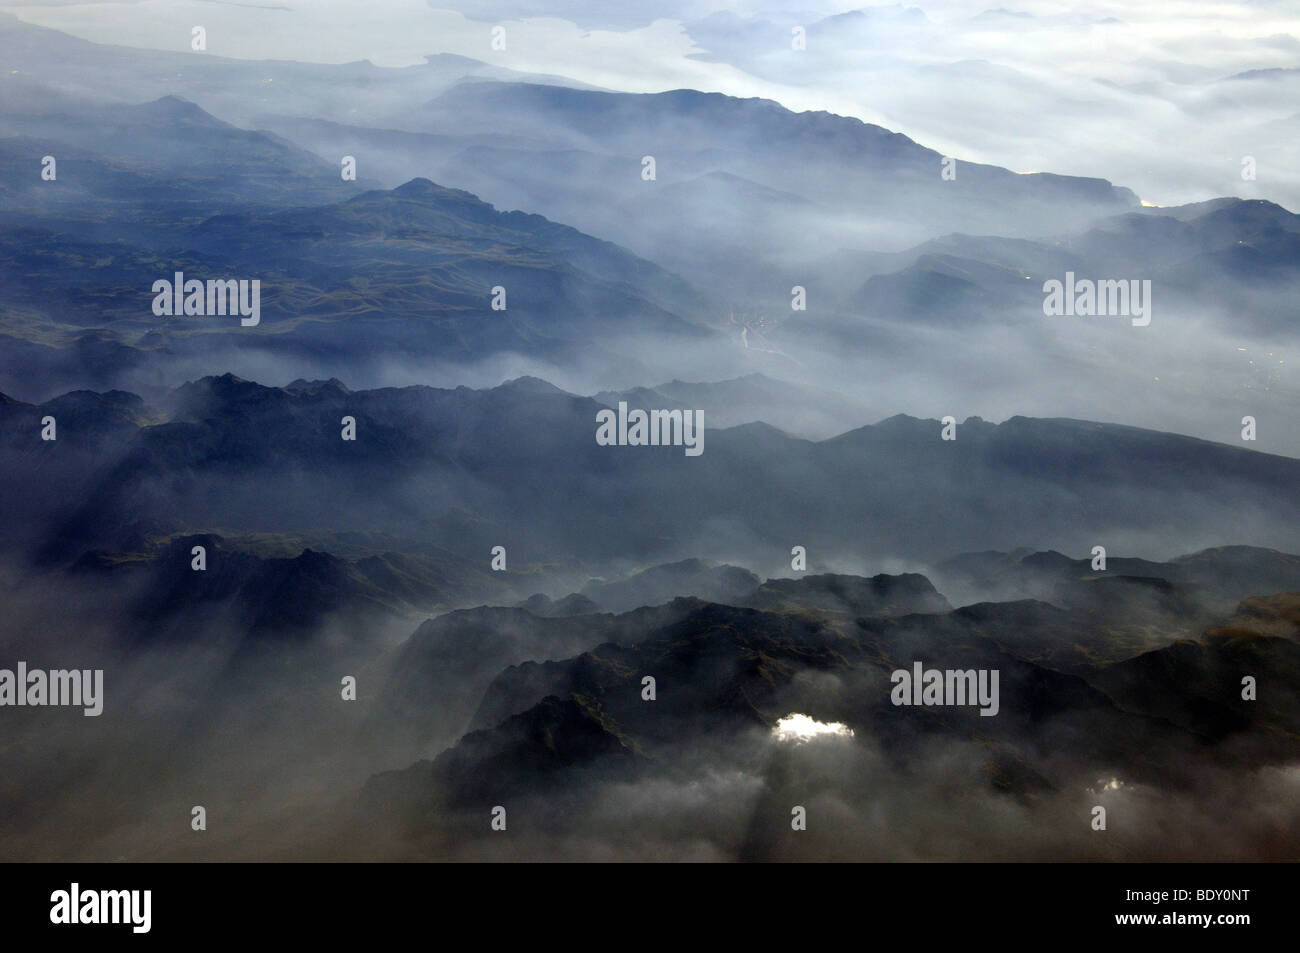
518 466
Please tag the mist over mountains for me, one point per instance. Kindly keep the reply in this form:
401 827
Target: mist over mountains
362 570
396 287
518 465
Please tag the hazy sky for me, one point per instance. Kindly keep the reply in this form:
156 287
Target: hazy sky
1137 92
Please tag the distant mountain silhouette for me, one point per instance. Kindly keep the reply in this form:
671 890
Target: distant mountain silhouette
520 464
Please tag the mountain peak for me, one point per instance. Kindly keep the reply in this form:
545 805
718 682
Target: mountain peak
531 385
174 108
899 421
317 387
225 387
422 188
